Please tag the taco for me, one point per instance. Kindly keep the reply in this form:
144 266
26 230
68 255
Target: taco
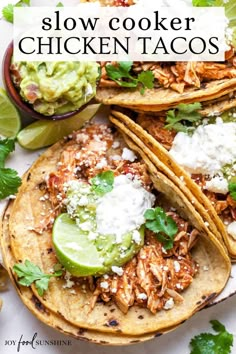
132 247
174 83
206 175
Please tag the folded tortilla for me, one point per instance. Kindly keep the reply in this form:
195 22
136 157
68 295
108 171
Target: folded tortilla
161 158
68 311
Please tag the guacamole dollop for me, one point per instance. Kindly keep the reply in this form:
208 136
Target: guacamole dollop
55 87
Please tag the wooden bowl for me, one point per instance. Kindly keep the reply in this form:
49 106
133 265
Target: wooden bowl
25 108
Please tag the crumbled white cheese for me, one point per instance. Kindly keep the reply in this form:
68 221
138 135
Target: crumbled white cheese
116 157
169 304
69 283
128 155
113 290
101 164
136 236
231 228
217 185
115 144
92 235
142 296
117 270
104 284
122 210
83 201
209 148
165 268
176 266
86 226
205 268
179 286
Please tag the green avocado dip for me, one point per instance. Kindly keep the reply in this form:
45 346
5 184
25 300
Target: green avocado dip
55 87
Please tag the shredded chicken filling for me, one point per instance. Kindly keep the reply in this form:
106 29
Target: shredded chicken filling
154 278
180 75
224 204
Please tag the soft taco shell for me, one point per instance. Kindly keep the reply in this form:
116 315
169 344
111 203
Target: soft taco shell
160 157
54 320
162 99
26 244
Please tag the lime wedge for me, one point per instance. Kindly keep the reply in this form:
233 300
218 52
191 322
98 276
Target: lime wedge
47 132
73 249
9 117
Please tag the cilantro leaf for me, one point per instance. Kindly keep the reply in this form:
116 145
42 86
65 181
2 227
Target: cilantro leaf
161 224
121 75
9 182
232 190
8 10
9 179
203 3
6 147
180 117
60 4
207 343
29 273
103 182
146 78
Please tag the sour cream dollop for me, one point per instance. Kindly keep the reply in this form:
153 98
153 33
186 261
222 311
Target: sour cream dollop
122 210
210 148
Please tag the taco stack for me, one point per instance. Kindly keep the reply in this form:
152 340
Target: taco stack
124 243
206 177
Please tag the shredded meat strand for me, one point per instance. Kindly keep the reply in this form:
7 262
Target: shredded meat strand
153 276
180 75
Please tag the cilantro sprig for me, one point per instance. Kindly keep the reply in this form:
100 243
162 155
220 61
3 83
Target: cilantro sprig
8 10
122 76
232 189
103 182
180 118
29 273
162 225
9 179
208 343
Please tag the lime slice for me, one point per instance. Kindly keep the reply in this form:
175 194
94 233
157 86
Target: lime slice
9 117
73 249
47 132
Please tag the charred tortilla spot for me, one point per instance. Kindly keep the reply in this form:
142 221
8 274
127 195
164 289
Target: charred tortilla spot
112 323
105 314
203 297
28 177
39 306
135 341
158 334
210 297
198 303
112 310
140 317
81 331
42 186
49 250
